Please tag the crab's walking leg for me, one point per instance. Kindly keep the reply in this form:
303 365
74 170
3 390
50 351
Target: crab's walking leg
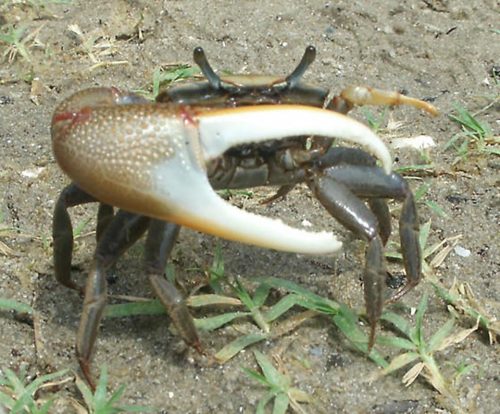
337 156
123 231
159 244
340 190
62 232
373 183
351 211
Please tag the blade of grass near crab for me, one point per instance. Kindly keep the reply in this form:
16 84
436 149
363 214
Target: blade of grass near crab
343 317
163 77
278 383
98 402
14 305
25 393
236 346
455 301
252 306
347 322
397 363
281 403
154 307
419 195
274 377
214 322
416 334
403 326
281 307
216 270
314 302
261 406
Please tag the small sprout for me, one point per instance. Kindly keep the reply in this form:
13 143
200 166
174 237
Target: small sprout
476 136
279 388
420 198
20 396
463 303
421 351
99 402
163 77
375 121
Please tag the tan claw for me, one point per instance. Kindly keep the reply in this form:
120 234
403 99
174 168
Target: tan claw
151 159
365 95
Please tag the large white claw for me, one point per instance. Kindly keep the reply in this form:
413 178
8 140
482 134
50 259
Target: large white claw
221 130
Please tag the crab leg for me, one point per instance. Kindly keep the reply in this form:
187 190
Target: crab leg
119 235
150 159
159 245
62 232
339 189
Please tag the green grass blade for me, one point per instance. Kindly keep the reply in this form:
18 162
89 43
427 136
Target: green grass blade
281 403
6 400
244 295
396 342
290 286
278 309
399 322
417 335
152 307
273 376
233 348
256 376
86 392
10 304
99 397
346 321
214 322
436 208
261 406
399 362
211 299
437 339
116 395
261 294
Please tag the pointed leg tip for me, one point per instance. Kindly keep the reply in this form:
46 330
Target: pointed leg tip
87 375
371 339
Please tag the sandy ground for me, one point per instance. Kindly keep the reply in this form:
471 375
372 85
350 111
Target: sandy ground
442 51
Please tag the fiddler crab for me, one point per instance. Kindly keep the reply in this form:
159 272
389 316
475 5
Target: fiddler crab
160 164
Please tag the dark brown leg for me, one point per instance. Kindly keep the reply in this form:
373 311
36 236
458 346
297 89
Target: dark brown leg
352 212
62 232
121 233
373 184
159 244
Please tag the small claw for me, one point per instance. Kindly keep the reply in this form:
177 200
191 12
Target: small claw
364 95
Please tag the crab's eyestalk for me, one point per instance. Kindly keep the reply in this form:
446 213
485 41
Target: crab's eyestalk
201 60
294 78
